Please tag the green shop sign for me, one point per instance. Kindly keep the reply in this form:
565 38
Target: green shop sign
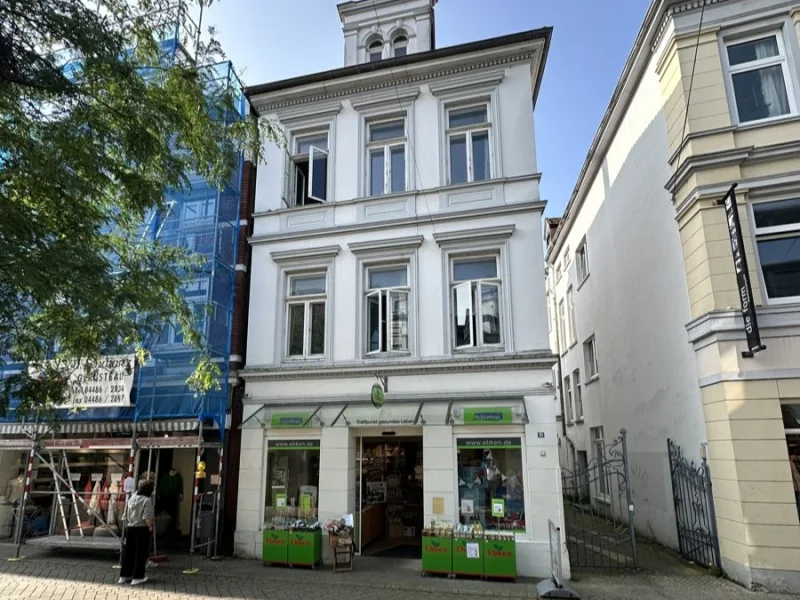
487 416
289 420
488 443
293 444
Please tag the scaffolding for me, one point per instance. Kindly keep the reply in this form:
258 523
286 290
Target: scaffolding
203 219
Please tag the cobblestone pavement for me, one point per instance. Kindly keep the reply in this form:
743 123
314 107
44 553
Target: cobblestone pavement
51 576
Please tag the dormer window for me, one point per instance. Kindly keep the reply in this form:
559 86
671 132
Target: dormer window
375 51
400 46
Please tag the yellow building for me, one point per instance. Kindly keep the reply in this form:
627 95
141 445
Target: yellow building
709 97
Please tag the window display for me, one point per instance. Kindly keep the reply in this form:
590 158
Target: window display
292 484
490 483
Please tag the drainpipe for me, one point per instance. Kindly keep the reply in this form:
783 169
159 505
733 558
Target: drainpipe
560 382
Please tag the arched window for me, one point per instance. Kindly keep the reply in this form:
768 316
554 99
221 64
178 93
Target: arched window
375 50
400 45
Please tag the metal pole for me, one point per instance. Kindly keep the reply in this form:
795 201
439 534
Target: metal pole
218 499
25 494
623 432
712 513
195 495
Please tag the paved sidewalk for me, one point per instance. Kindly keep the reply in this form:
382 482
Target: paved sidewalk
53 576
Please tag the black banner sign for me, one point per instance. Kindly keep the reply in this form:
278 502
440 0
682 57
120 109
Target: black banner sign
742 273
293 444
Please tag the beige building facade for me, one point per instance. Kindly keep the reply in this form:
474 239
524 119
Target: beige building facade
709 97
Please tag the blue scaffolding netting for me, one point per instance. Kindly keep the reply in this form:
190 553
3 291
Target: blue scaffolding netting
204 219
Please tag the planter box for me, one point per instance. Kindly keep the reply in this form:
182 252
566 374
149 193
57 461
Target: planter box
276 547
462 565
305 548
500 559
437 555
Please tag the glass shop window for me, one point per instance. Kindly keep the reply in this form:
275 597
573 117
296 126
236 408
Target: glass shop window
292 483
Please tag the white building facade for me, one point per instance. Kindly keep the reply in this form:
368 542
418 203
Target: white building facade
397 243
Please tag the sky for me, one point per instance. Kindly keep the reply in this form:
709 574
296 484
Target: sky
269 40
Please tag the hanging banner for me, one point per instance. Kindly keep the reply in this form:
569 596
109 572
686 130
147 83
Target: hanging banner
106 382
742 273
487 416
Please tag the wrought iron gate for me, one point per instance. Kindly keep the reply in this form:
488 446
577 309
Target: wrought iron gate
694 508
598 508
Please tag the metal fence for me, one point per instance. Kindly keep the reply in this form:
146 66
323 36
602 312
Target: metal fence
694 508
598 509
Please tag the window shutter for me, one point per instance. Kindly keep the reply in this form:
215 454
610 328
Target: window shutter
287 179
463 315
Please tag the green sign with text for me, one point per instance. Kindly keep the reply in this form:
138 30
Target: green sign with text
487 416
289 420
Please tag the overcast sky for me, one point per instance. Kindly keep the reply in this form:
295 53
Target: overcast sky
269 40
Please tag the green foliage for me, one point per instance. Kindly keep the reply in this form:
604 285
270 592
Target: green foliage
95 124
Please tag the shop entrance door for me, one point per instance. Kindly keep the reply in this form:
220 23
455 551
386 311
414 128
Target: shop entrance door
389 500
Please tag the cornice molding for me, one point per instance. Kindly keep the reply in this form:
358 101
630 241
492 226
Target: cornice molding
306 95
404 97
725 325
468 82
499 233
320 111
368 368
669 12
491 211
411 242
320 253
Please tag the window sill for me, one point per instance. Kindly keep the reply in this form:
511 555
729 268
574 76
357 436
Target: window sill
479 350
304 359
380 355
570 423
603 499
582 281
790 118
572 345
579 421
592 380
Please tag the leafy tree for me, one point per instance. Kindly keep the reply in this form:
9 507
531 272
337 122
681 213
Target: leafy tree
97 119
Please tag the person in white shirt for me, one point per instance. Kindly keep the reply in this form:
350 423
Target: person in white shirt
139 515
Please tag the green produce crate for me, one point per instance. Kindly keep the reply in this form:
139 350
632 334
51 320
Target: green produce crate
501 559
463 565
437 555
305 548
276 547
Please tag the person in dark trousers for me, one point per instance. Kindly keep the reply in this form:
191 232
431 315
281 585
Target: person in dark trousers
139 516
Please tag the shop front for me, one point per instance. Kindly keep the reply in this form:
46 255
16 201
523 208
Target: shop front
473 479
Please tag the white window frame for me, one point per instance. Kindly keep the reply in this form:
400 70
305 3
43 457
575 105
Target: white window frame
567 387
782 59
578 395
562 324
395 46
771 233
313 154
388 293
476 337
370 54
582 261
573 334
598 441
387 146
468 131
306 300
592 367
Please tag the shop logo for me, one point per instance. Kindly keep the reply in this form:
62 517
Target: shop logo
498 552
377 396
275 540
436 548
488 416
295 421
300 542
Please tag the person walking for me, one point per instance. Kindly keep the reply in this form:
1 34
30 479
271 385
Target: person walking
139 516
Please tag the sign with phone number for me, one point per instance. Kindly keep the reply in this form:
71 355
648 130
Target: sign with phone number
105 382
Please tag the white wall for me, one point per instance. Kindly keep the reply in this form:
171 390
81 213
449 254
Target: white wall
636 304
513 121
